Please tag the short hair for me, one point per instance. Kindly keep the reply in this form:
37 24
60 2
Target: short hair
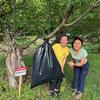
62 35
77 38
58 38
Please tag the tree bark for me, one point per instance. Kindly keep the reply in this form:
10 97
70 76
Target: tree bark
13 59
11 69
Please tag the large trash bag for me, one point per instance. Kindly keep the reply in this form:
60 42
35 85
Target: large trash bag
45 65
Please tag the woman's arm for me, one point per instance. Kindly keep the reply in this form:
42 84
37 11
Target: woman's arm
81 63
63 64
71 63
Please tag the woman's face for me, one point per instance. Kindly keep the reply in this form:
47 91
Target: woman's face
77 45
63 41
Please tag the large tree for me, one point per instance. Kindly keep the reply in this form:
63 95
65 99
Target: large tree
35 17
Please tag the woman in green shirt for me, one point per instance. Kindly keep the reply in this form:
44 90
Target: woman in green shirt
80 65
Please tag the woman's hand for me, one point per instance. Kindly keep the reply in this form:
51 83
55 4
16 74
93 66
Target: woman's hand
62 71
71 64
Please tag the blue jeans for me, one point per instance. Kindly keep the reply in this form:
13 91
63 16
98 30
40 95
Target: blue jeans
80 74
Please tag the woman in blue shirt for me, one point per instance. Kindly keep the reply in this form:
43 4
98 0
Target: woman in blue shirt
80 65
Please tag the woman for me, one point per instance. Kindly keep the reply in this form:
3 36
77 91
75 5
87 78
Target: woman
61 51
80 65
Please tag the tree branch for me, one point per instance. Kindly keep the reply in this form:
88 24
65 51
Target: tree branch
27 46
3 48
95 4
66 15
16 35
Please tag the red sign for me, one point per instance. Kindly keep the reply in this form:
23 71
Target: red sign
20 71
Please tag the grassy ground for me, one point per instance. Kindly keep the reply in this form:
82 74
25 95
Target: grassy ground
92 86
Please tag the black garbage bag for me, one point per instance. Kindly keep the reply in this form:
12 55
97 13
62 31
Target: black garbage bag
45 65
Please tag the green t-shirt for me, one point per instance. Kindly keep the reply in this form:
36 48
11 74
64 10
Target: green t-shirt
82 54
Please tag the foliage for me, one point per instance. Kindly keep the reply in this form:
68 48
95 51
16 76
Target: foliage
43 16
42 92
39 17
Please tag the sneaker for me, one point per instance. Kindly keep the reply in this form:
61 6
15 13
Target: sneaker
78 95
74 91
57 92
52 93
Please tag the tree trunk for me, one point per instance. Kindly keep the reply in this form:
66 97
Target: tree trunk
13 61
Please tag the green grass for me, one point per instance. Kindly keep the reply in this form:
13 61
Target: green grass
92 85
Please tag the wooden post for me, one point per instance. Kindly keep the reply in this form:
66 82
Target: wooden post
20 83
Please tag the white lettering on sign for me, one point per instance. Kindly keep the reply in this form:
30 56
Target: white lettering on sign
20 71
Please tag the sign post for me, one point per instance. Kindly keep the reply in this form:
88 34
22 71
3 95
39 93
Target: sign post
20 71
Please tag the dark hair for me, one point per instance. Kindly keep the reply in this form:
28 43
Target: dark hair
77 38
60 36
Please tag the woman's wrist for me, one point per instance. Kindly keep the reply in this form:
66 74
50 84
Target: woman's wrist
75 64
